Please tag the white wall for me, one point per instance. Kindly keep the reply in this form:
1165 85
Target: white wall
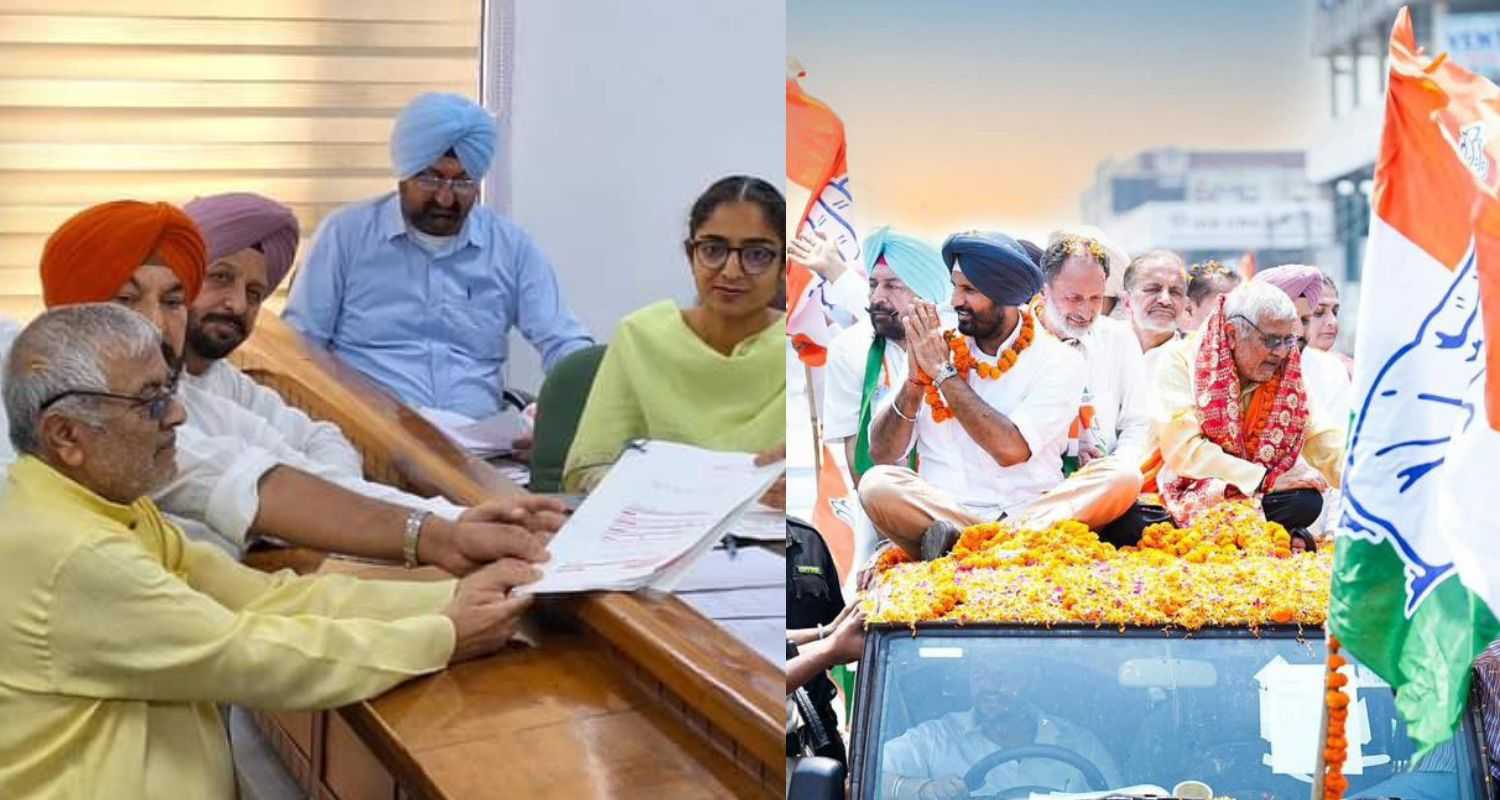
621 113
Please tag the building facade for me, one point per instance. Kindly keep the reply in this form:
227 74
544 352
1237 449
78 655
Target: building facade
1213 204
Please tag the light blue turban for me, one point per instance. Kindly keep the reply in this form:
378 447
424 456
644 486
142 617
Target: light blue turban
432 124
916 263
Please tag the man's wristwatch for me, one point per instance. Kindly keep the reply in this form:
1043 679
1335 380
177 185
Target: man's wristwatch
948 371
414 522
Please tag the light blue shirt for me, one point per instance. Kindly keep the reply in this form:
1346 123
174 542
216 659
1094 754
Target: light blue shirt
432 329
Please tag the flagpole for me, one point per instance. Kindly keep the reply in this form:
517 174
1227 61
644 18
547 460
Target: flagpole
1320 770
812 416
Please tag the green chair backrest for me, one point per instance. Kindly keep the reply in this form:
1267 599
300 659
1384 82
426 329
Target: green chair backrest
559 406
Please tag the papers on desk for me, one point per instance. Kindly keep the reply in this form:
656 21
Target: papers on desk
485 438
760 524
743 590
659 509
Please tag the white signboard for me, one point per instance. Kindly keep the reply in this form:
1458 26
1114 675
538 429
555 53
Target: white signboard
1473 41
1188 226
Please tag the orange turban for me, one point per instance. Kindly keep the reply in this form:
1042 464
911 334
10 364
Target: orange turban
96 251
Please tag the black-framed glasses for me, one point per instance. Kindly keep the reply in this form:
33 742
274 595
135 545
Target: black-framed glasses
157 405
1271 341
462 187
714 254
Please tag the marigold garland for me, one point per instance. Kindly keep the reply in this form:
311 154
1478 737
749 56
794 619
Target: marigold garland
964 362
1231 567
1336 744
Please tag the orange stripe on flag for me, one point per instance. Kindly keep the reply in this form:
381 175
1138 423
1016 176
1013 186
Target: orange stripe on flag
1437 177
1421 188
836 532
814 143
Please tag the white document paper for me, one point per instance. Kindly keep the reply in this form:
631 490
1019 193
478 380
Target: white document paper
761 524
659 509
741 568
485 438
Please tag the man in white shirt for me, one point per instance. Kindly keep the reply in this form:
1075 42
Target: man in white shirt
1116 260
252 241
987 409
866 360
235 473
931 759
1113 426
1155 299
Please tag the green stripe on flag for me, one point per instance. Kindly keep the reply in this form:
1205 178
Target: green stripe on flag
1426 658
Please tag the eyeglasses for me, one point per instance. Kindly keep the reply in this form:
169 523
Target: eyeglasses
461 187
1272 342
157 405
714 254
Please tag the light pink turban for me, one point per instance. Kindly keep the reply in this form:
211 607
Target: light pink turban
232 222
1297 280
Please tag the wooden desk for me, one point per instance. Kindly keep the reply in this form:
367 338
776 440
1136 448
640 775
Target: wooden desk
628 696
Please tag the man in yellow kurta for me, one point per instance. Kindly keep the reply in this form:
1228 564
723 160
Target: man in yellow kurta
120 635
1232 416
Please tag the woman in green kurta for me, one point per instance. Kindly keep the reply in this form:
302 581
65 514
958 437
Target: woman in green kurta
712 375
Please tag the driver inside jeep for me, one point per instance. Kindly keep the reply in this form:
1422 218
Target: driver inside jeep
964 752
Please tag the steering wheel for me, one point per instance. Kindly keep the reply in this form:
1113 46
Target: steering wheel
974 778
1024 790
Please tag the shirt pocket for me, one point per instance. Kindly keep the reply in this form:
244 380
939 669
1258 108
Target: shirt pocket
480 328
809 588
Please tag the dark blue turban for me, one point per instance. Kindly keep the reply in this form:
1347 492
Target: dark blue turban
996 264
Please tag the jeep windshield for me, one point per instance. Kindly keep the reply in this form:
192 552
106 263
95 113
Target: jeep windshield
1005 711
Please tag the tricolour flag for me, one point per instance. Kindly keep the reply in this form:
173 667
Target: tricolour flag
832 516
1417 572
818 199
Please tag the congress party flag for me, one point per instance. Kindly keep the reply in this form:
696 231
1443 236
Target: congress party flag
1417 567
818 199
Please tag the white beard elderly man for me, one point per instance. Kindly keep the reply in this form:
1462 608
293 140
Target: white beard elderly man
1111 435
124 636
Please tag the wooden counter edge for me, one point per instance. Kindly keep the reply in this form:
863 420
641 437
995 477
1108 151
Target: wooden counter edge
680 663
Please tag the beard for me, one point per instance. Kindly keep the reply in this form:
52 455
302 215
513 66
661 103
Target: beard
213 347
886 322
981 326
1060 320
436 220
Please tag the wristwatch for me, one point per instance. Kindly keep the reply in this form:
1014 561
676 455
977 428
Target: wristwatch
411 536
948 371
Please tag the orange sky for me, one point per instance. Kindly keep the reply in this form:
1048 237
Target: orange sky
963 115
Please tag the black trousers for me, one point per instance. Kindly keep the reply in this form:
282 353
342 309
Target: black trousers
1297 508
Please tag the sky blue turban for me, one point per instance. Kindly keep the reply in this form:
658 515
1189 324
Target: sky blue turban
433 124
914 261
996 264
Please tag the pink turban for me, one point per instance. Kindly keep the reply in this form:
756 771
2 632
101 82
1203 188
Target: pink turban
232 222
1297 280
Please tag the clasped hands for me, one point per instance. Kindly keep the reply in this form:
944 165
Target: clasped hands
926 349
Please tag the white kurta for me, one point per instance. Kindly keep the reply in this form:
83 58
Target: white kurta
843 388
1039 395
1117 382
322 442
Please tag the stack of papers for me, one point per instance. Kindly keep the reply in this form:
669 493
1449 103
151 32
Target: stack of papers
760 524
485 438
659 509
